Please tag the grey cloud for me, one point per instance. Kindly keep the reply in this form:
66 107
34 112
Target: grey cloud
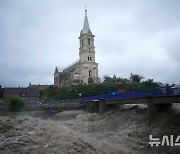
131 36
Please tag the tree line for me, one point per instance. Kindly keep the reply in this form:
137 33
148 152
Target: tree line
109 85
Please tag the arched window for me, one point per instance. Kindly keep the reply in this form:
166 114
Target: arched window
89 58
89 41
90 73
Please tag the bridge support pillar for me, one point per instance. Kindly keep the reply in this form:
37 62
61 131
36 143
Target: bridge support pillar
88 106
154 109
92 107
102 106
95 107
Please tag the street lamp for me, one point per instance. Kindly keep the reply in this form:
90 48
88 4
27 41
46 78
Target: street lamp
80 95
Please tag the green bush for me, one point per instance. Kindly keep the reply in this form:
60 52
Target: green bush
16 103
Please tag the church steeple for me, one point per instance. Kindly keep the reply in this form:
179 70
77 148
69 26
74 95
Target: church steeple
86 39
86 27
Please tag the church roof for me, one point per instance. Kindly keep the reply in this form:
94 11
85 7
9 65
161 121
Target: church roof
86 27
60 69
72 64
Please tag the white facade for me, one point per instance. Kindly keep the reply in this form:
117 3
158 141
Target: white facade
85 70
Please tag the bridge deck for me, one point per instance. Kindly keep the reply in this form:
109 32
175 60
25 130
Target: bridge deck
136 97
147 100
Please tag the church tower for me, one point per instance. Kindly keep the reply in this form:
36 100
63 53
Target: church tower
84 70
89 68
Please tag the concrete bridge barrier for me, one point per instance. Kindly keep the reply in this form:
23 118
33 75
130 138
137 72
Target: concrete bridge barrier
155 104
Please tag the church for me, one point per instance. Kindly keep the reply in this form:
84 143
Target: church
84 70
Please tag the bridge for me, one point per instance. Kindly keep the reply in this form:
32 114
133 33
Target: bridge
155 100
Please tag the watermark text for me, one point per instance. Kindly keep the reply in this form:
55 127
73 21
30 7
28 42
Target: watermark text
165 141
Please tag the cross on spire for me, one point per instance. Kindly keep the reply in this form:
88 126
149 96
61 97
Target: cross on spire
85 10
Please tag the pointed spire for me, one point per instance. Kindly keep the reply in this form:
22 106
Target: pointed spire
86 23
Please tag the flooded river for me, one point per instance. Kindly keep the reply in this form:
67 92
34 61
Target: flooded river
123 131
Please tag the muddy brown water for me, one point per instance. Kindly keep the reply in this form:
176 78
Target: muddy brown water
124 131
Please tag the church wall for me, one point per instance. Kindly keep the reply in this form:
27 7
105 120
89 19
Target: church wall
84 57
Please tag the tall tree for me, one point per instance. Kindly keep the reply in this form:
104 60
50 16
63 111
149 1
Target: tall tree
136 78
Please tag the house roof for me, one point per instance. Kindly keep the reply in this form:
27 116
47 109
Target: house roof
160 84
39 86
28 92
176 86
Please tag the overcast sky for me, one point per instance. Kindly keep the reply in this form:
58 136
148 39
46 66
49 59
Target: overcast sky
135 36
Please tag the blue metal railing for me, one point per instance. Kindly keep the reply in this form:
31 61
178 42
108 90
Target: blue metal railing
128 95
